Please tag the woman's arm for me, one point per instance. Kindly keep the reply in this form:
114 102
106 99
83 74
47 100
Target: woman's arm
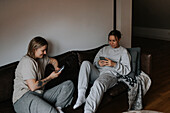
34 85
54 62
123 67
97 59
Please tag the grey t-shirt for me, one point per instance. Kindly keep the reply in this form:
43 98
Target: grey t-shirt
28 68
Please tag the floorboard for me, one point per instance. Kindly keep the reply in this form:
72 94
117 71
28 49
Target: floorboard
158 96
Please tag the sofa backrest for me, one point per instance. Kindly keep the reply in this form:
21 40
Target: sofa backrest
70 72
88 54
7 75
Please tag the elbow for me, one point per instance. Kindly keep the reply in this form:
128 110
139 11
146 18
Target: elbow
32 88
32 85
128 70
125 70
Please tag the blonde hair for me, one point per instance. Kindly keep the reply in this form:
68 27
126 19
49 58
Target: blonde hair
34 44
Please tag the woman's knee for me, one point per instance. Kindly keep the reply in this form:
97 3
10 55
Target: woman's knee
86 63
68 85
99 85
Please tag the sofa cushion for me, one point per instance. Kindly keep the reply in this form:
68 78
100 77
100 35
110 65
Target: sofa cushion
119 88
70 72
138 50
7 75
135 61
88 54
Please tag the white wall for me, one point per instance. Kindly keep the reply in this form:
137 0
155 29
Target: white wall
66 24
124 21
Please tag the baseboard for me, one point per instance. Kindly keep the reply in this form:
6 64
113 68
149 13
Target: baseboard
155 33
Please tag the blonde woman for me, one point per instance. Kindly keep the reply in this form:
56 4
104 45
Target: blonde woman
29 95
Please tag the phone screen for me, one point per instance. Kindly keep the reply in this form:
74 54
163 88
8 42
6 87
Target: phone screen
61 69
102 58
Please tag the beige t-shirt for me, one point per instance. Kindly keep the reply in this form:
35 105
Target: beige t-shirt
28 68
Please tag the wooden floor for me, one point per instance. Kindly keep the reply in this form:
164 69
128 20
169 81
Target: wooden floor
158 96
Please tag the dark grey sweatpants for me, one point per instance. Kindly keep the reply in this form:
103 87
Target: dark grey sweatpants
59 96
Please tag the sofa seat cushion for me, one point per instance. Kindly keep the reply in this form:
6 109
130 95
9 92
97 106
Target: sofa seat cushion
119 88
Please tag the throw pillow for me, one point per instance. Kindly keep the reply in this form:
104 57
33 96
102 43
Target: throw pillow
133 54
138 65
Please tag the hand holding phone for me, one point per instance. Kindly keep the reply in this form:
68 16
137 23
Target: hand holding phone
60 69
102 58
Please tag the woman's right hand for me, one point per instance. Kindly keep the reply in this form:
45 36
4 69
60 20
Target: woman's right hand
54 74
102 63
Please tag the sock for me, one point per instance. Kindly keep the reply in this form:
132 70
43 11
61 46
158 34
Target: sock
59 109
81 99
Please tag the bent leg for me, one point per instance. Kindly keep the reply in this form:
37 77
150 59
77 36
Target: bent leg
104 82
60 95
31 103
87 73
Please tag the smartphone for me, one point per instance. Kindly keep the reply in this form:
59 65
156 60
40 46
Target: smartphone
61 69
102 58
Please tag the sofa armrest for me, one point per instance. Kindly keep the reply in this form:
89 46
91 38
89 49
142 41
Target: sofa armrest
7 75
146 63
